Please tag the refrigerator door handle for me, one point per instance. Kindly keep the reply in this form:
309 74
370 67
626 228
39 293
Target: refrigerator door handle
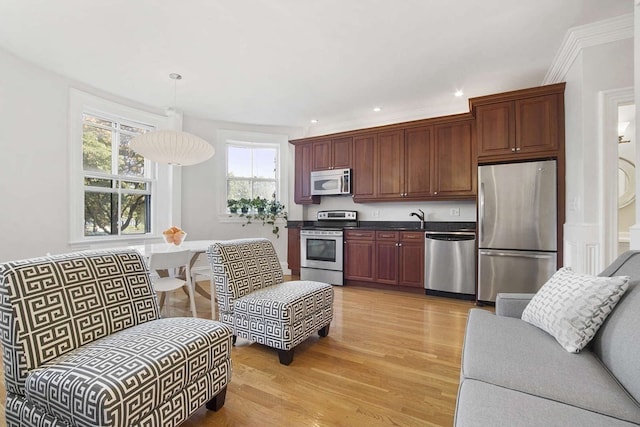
517 255
481 211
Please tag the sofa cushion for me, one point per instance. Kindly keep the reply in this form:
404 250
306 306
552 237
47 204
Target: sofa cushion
617 343
514 354
121 379
572 307
481 404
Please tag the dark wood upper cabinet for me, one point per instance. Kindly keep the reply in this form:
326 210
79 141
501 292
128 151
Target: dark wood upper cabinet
496 129
332 154
519 125
437 158
454 160
302 184
537 124
364 172
390 165
418 159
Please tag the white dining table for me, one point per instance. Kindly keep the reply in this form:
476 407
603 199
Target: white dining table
196 246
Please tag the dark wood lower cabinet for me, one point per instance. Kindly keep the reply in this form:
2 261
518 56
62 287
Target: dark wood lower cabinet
388 258
359 255
293 250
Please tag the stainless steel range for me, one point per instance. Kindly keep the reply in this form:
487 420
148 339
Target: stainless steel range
321 246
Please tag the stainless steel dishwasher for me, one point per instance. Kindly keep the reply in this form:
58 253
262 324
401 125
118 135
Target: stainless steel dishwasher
450 263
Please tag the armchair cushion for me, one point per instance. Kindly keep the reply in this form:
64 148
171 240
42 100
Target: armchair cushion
119 379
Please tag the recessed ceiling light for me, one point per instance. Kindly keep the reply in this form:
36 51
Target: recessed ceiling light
314 121
376 109
458 93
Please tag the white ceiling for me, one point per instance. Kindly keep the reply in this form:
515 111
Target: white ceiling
284 62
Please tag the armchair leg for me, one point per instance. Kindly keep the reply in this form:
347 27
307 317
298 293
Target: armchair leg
324 331
217 401
233 340
285 356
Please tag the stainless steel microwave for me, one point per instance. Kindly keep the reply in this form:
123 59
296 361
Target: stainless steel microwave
331 182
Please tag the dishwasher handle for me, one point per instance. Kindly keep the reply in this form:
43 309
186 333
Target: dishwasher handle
453 236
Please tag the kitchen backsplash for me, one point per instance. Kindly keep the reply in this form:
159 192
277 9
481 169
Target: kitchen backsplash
434 211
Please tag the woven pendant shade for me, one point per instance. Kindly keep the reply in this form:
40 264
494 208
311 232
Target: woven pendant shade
172 147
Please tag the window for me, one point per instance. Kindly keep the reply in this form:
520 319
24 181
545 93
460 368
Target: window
115 194
252 170
117 181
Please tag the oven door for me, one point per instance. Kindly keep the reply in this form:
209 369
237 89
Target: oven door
320 249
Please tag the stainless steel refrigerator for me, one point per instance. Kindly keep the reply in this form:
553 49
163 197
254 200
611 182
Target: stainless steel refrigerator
517 220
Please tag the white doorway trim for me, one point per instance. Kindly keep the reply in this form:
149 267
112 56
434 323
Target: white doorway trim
608 103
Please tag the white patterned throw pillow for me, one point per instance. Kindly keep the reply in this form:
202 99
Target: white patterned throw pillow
572 307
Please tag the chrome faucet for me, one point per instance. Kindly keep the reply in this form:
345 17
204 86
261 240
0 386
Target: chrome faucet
420 217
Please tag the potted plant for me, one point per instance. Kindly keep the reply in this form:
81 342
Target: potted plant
233 205
245 204
260 203
275 207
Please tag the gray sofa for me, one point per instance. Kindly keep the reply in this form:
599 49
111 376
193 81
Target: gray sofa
514 374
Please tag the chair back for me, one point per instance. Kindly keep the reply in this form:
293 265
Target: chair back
169 260
241 267
55 304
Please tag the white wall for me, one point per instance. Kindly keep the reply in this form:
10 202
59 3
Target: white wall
203 198
35 172
34 195
586 79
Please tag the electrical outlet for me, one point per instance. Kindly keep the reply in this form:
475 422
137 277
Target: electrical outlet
375 213
454 212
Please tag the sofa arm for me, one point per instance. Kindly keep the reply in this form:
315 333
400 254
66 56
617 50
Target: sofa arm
512 305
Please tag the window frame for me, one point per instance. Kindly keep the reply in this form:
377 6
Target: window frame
253 145
163 179
279 141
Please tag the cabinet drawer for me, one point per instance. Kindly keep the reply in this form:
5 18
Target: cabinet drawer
359 234
387 235
412 236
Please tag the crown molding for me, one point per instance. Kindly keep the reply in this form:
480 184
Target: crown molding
578 38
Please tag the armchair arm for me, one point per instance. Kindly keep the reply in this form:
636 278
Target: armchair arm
512 305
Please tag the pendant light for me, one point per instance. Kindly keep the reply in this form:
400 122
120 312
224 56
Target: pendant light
171 146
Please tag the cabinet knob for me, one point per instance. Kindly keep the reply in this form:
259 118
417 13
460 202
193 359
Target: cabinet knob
518 149
513 150
435 192
399 244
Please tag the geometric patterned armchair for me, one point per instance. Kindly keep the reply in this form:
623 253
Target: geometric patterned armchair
258 306
83 344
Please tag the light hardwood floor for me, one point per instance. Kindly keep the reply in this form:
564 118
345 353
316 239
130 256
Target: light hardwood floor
391 359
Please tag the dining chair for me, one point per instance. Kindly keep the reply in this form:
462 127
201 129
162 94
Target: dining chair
201 268
172 262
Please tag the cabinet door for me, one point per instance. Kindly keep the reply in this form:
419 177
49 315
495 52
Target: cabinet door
454 160
293 250
495 129
364 172
387 257
321 155
537 124
341 153
411 269
359 259
302 185
390 152
418 158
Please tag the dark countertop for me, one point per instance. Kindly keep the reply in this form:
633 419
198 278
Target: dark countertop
399 225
